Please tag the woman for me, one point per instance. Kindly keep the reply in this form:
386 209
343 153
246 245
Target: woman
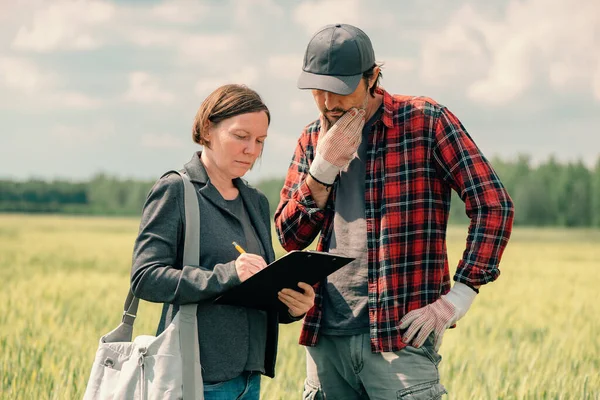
237 344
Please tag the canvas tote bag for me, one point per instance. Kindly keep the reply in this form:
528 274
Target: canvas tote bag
163 367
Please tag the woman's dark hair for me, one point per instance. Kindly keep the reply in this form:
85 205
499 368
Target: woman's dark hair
225 102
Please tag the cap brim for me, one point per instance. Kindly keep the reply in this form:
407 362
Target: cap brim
337 84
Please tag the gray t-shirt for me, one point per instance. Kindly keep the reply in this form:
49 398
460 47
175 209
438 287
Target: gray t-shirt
257 320
345 306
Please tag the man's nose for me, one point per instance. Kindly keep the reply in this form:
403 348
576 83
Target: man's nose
331 100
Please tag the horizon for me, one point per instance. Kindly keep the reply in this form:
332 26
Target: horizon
592 166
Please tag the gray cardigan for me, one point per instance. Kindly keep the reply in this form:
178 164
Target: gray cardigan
158 276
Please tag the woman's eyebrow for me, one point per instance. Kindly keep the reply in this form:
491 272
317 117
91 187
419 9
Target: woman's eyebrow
245 131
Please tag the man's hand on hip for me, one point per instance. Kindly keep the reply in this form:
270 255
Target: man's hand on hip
437 316
337 145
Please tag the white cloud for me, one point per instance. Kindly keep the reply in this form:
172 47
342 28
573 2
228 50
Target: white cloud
161 141
256 13
314 14
78 100
205 48
280 143
206 85
67 133
505 79
181 11
89 134
148 37
560 74
22 74
145 88
452 52
65 25
596 82
7 8
397 65
40 88
285 66
298 107
495 51
191 48
88 25
499 59
248 75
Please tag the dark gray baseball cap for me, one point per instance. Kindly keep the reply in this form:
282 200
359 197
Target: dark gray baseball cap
335 59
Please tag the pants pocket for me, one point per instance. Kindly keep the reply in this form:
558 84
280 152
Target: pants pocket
432 355
209 387
429 350
424 391
312 391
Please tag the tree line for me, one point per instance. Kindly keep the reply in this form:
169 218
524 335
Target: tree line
548 194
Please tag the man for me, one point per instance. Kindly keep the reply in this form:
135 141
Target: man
380 191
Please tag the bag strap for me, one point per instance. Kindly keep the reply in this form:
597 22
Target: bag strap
191 248
188 330
193 388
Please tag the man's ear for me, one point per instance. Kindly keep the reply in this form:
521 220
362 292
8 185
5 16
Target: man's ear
376 72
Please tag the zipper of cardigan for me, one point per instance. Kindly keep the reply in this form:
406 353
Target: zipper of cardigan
142 354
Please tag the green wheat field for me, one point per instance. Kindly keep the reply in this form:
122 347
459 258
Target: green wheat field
532 334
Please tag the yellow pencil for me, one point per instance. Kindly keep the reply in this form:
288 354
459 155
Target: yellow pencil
238 247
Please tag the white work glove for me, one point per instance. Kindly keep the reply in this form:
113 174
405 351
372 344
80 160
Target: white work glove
437 316
337 145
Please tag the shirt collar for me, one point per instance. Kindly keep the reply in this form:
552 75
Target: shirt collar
388 107
197 172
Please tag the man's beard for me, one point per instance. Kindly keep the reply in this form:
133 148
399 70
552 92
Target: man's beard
333 120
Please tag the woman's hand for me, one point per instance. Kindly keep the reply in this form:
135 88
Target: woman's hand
248 264
298 303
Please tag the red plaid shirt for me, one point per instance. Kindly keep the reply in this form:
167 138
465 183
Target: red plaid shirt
418 151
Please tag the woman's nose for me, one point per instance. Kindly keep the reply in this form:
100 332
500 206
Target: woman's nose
250 147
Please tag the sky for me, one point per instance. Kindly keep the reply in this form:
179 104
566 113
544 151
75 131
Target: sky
112 87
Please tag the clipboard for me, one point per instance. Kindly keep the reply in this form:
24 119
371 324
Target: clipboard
260 290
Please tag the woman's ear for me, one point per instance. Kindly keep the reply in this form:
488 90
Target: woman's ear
207 128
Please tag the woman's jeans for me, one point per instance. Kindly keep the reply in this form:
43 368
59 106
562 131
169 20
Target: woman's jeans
245 386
